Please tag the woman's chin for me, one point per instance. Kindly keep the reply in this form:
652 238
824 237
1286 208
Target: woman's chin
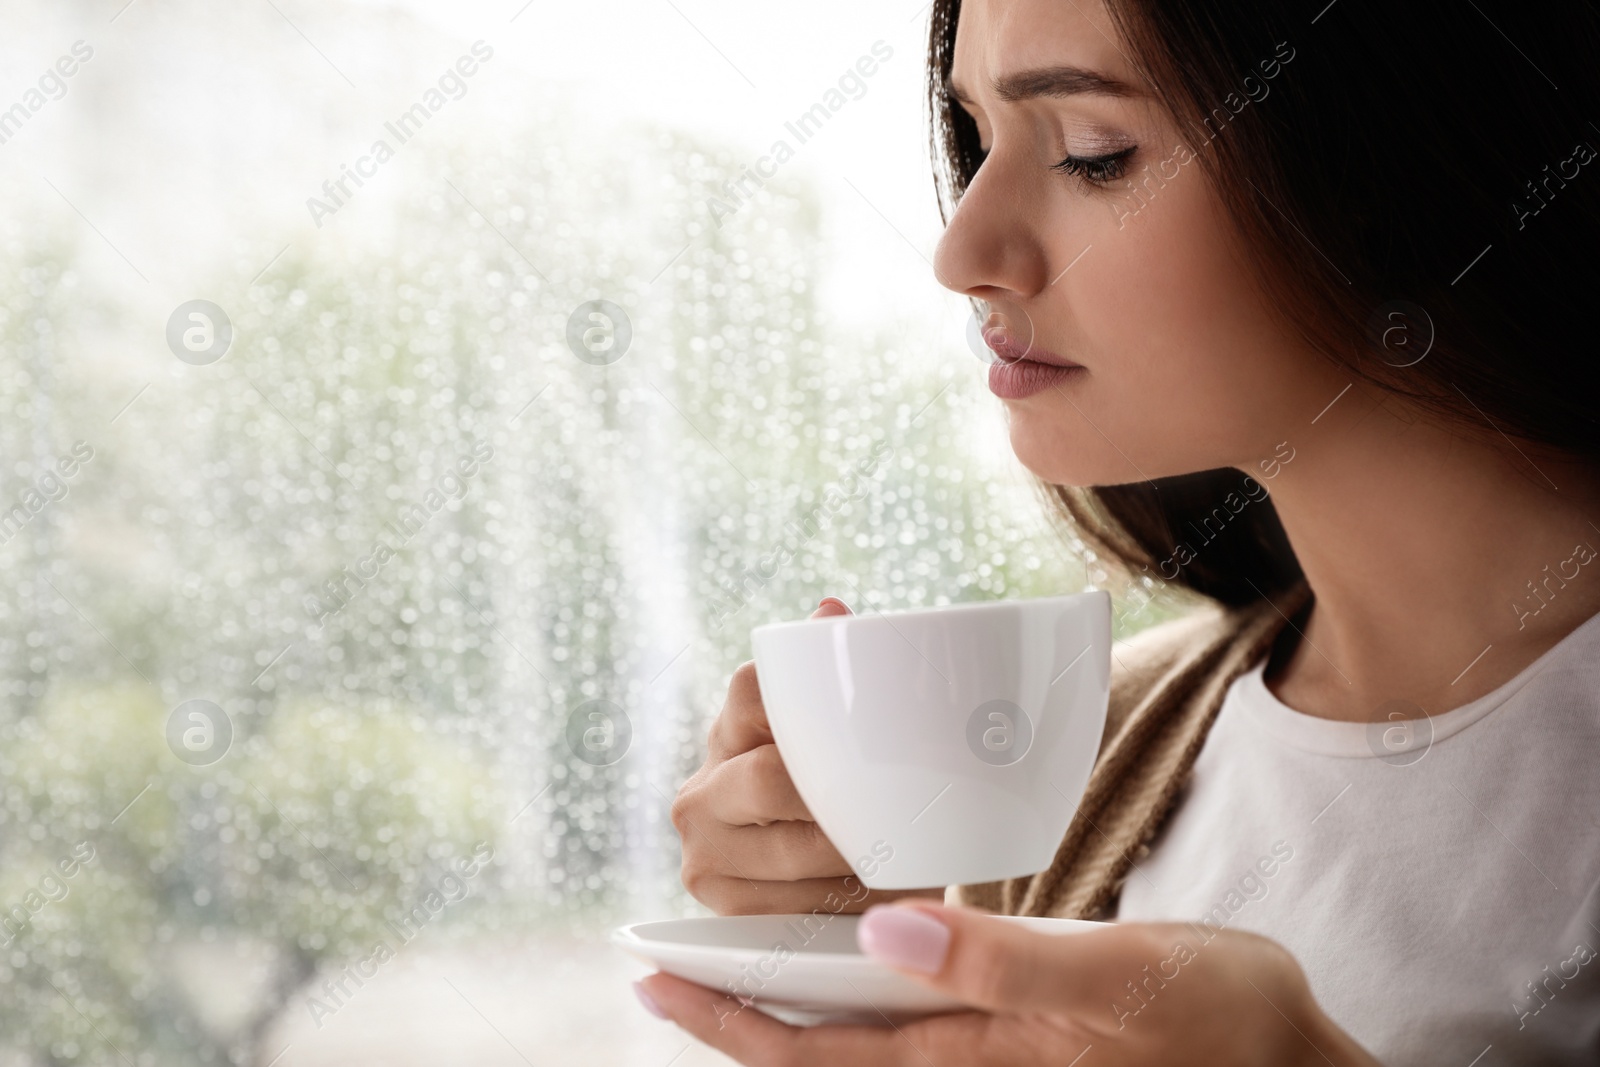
1063 459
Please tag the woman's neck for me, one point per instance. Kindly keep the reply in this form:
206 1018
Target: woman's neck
1442 564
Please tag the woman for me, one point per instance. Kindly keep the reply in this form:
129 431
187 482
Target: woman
1288 307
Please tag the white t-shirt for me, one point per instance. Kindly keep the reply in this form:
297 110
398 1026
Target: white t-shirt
1442 893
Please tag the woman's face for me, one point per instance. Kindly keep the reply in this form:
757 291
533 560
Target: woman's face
1120 260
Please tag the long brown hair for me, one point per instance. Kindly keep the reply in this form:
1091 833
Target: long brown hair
1424 159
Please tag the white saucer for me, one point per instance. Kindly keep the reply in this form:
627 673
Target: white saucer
802 969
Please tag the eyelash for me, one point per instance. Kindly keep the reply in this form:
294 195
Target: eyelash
1097 170
1094 170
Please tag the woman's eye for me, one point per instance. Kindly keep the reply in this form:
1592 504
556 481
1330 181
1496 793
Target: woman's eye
1097 170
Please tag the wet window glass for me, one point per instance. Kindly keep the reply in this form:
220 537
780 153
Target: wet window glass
404 419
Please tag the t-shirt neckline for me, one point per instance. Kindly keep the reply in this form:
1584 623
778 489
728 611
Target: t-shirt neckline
1385 738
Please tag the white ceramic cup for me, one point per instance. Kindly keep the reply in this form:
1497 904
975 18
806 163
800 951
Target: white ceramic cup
942 746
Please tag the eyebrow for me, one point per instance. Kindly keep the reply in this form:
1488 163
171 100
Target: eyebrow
1048 82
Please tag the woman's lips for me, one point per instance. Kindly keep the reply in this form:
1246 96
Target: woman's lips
1022 371
1013 381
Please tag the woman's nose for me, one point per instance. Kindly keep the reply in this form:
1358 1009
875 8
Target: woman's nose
990 249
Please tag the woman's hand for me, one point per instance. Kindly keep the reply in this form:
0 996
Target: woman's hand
1135 993
750 845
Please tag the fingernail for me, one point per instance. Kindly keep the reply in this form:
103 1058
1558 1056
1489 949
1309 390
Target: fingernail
824 603
648 1001
904 937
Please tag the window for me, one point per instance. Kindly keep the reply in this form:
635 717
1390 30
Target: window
380 527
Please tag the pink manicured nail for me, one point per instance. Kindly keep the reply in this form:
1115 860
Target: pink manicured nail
904 937
648 1001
